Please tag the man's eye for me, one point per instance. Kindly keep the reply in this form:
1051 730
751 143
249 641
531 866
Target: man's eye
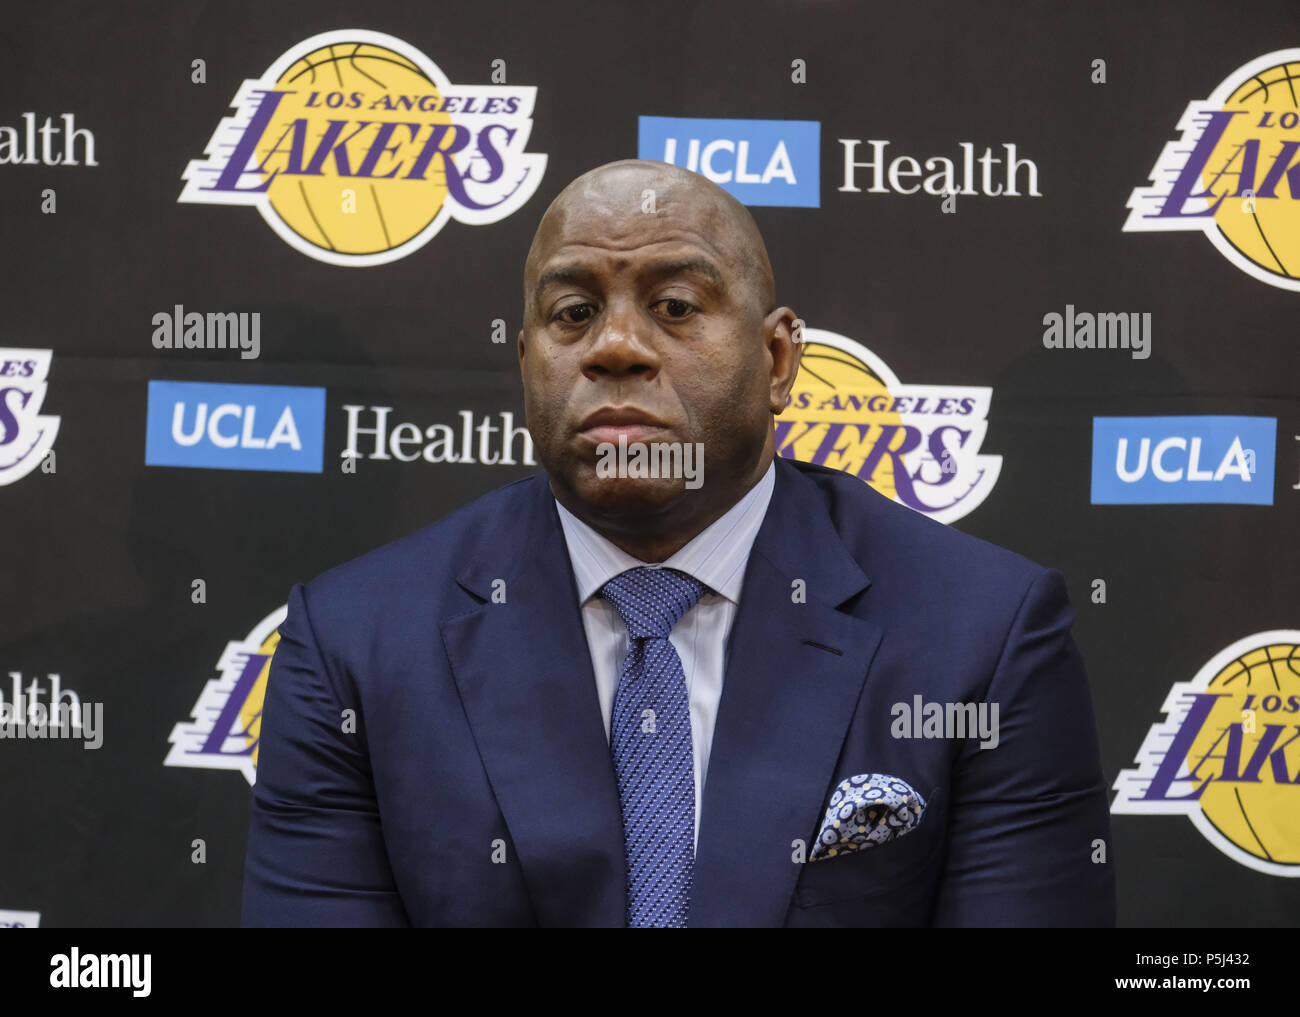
576 314
675 308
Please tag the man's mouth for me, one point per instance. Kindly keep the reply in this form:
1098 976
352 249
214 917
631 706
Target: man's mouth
610 423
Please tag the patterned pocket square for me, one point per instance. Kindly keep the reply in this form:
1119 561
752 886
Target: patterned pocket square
865 811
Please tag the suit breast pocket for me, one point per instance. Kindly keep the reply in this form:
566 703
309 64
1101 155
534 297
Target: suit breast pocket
903 867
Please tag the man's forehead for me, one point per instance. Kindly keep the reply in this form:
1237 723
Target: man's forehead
616 235
627 209
683 251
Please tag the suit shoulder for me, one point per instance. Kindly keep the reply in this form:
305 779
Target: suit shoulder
885 534
438 550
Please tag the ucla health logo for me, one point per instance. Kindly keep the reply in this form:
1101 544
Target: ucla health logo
757 162
1235 172
357 149
25 435
1181 460
235 427
227 719
917 444
1227 755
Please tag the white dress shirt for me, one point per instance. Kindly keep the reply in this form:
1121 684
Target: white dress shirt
716 557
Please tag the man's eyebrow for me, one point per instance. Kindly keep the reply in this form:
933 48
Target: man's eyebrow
686 266
576 274
580 275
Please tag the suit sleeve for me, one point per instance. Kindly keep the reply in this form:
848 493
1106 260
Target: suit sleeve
316 854
1030 816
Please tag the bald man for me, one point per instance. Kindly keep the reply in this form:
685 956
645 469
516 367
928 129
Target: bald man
728 690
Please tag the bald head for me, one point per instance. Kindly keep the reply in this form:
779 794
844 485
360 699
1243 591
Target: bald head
608 193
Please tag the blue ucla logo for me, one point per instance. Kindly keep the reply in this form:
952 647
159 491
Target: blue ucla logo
235 427
758 162
1187 460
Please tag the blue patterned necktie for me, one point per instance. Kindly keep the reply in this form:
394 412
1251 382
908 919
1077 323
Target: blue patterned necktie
650 738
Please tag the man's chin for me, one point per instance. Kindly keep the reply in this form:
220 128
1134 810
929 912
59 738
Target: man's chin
630 497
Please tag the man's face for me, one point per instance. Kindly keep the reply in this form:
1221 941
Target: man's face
652 318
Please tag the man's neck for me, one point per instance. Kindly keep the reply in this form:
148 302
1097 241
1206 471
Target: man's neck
656 548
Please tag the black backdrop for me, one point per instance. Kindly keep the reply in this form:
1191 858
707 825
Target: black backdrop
101 552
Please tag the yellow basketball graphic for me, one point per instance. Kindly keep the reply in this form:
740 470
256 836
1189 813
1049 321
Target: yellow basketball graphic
827 378
1233 174
917 444
1264 228
357 150
1262 817
250 714
226 726
343 213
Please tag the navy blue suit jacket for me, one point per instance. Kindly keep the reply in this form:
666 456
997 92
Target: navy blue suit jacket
477 787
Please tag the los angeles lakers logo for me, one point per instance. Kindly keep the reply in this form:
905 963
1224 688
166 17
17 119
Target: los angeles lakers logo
1227 755
917 444
228 716
356 149
1235 174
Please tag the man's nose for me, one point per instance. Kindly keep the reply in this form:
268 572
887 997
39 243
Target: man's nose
620 344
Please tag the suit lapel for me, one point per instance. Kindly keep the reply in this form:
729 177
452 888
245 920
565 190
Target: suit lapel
524 672
794 674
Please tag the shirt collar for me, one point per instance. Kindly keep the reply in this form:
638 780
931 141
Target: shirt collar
716 556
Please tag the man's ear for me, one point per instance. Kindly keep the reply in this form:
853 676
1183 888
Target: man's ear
521 346
783 335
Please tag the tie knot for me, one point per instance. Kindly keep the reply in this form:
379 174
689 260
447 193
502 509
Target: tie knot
651 600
